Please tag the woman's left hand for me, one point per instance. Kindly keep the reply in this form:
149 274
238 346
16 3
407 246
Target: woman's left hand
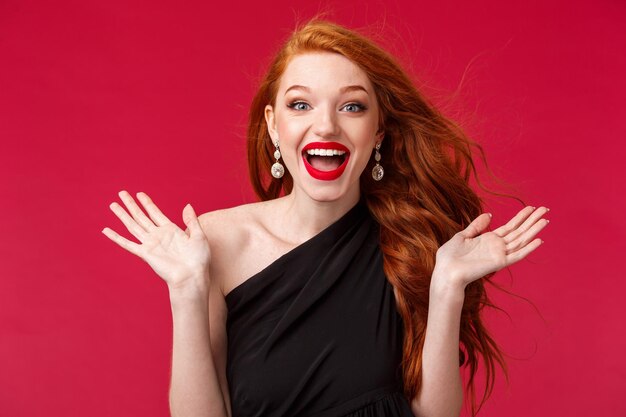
472 254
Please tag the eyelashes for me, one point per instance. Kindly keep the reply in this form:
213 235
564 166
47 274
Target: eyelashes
360 107
298 105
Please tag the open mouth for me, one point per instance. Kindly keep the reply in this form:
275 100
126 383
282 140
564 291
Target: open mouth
325 160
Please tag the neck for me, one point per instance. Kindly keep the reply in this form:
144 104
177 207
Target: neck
303 217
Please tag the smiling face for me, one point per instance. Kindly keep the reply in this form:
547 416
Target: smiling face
326 121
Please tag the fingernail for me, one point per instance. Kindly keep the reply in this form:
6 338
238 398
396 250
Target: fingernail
547 209
490 215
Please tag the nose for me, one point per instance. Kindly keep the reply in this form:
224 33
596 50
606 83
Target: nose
325 124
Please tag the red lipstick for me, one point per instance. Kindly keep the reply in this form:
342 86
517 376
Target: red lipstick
325 175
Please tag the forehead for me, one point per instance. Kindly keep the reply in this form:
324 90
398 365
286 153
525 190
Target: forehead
323 70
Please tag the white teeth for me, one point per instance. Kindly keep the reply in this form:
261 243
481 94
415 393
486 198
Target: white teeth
325 152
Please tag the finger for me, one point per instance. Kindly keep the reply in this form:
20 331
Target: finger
132 247
155 214
477 226
521 254
191 220
527 236
128 221
515 222
136 212
526 225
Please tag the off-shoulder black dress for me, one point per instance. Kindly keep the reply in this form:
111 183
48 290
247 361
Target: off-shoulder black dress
317 332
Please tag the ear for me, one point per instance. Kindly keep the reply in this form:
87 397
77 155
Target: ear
270 119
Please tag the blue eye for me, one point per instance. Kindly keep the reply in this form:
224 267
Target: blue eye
354 107
298 105
350 107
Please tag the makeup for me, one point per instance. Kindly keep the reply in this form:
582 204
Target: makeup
325 161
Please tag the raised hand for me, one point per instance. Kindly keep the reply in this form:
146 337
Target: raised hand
179 257
471 254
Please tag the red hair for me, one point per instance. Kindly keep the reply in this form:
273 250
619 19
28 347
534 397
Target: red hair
424 199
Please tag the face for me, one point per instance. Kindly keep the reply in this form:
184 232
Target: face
326 121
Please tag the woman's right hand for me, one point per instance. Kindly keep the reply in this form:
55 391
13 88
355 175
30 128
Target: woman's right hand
180 258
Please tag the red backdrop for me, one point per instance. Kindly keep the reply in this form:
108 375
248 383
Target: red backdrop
96 97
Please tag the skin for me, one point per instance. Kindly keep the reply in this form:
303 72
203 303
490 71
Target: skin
221 249
324 113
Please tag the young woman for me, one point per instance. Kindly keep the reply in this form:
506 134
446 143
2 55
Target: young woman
354 287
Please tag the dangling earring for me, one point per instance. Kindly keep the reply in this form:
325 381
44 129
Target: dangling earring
278 170
377 171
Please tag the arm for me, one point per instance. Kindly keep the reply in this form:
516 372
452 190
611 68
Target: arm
467 257
442 390
195 388
182 259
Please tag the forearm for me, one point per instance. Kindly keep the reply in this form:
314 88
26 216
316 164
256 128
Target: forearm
195 389
441 391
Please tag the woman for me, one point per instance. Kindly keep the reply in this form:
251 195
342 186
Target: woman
350 287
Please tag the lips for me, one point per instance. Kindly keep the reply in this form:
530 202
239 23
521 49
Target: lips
325 149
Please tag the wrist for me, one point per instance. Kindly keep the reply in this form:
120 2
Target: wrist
447 285
196 288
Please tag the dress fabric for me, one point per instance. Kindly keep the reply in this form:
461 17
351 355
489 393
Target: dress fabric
317 332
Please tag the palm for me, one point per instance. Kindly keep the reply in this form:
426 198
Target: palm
470 254
175 255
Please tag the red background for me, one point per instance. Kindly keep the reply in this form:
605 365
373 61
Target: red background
151 96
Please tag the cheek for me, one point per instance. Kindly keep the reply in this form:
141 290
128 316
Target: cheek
291 131
365 126
363 159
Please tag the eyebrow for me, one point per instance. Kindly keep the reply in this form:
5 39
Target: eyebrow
341 90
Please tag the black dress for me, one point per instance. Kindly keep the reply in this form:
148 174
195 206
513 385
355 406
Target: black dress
317 333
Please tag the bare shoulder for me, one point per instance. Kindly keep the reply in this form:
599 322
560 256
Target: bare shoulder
232 233
227 224
231 225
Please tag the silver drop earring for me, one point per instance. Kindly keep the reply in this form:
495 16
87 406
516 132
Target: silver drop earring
278 170
377 172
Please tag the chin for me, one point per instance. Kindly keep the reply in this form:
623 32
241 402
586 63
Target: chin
342 185
326 197
327 191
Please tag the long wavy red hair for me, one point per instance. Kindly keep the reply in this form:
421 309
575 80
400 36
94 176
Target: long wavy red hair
424 199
